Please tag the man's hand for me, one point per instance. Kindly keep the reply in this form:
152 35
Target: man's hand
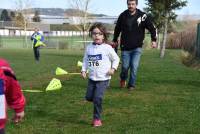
84 74
18 117
154 44
113 44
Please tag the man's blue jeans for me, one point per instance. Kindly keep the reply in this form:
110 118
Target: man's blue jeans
130 59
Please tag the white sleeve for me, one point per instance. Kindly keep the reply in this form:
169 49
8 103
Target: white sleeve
114 58
85 63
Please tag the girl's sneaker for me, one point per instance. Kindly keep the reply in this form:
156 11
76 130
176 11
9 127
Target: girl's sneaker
97 123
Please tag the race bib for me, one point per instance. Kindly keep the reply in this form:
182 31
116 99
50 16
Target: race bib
94 60
2 107
2 101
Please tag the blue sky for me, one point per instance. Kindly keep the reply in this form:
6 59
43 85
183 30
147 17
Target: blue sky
108 7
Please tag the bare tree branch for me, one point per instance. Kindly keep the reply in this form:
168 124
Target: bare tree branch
22 7
81 9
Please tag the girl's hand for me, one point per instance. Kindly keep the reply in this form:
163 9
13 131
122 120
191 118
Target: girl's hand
18 117
111 71
84 74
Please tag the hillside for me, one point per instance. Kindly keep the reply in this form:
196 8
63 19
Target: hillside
188 17
57 12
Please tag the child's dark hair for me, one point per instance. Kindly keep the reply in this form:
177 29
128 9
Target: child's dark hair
102 28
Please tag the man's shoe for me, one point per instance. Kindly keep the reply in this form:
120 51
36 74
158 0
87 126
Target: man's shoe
122 83
97 123
131 88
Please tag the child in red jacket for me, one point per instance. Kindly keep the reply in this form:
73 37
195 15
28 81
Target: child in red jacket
10 94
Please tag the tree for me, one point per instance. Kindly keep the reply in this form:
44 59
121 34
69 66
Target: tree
18 19
5 16
82 13
12 15
36 17
22 8
158 18
163 12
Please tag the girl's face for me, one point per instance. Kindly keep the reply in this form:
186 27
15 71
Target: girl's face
97 36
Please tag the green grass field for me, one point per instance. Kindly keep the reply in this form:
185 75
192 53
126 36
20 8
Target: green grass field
20 42
166 100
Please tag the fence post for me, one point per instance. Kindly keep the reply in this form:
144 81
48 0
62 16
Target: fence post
198 41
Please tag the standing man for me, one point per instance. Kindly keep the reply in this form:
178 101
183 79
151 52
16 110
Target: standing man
131 24
37 39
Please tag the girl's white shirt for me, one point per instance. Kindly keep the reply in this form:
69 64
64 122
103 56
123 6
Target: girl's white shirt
98 60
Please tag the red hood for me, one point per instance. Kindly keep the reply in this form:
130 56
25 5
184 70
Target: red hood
4 63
